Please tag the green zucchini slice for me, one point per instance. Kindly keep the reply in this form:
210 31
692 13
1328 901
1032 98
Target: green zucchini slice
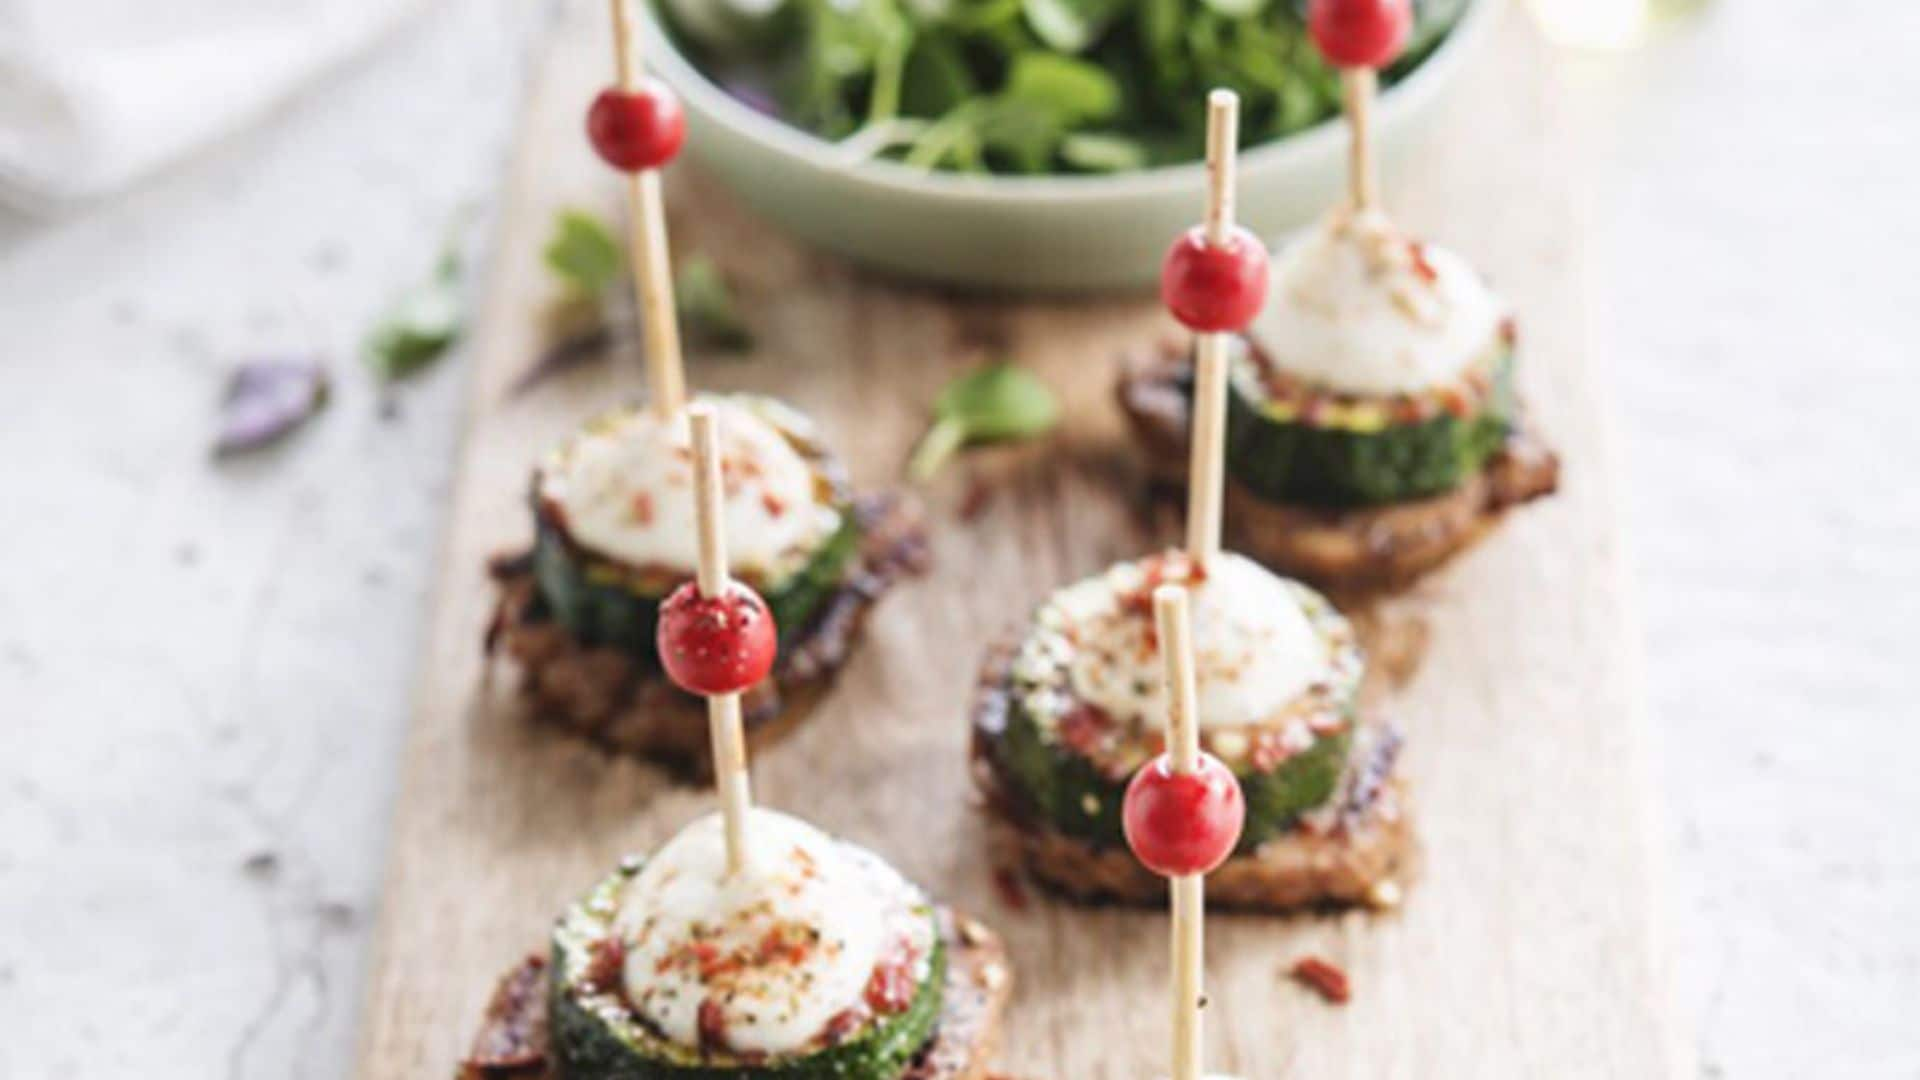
1077 798
1362 452
602 603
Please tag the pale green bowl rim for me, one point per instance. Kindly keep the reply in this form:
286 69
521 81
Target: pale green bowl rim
814 152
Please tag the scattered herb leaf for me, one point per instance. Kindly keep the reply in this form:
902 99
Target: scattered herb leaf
991 402
584 253
265 400
705 304
420 325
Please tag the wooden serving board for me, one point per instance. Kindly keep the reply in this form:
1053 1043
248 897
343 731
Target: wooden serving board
1529 947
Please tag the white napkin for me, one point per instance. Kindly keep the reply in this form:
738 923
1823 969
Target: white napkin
97 93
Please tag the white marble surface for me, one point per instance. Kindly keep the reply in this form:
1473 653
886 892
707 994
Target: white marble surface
205 670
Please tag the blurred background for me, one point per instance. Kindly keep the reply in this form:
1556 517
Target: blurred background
205 668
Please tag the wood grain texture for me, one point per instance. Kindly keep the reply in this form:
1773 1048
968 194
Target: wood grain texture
1529 947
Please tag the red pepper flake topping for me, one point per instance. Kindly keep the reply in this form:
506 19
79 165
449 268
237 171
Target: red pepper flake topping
699 955
1269 751
1084 727
1158 570
786 944
1326 722
1317 406
844 1023
606 958
642 508
1324 978
774 504
890 988
1418 253
783 944
713 1026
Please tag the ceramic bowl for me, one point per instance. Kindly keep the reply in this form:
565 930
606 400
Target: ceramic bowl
1024 233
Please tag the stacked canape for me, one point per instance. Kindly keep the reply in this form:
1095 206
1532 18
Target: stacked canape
612 518
1064 715
1373 427
751 945
1067 711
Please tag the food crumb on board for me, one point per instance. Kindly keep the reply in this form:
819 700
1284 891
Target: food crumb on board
977 498
1323 977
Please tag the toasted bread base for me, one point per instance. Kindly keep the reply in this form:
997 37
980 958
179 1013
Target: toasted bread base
605 695
1359 548
512 1041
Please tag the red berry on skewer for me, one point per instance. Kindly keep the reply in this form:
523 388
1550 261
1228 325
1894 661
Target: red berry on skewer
1360 33
1183 823
716 644
1214 288
633 130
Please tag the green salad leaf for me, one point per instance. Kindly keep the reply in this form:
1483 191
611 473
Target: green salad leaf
1069 26
1029 86
1071 90
1098 152
992 402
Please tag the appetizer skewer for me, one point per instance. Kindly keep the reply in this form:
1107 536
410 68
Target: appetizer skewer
1214 280
613 530
1360 37
1373 430
1184 813
751 945
638 126
1067 712
716 638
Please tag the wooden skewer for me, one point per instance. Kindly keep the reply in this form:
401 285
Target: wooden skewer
652 273
1223 145
723 710
1174 624
1358 85
1206 464
1175 630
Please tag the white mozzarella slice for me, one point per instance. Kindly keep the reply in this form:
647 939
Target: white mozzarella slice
625 488
780 949
1357 308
